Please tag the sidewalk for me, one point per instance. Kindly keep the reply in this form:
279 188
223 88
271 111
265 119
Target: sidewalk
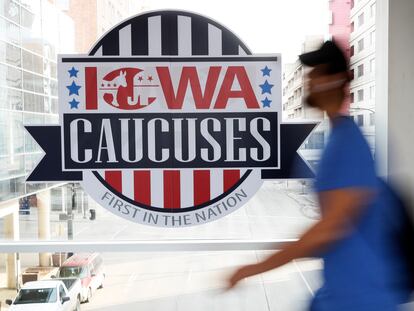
304 196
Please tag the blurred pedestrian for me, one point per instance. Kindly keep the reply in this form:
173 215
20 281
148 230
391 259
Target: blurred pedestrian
362 269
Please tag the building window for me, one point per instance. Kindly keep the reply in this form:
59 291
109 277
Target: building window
372 119
352 27
352 74
372 10
372 37
352 97
360 70
372 65
360 45
352 4
372 92
352 50
360 120
315 141
360 19
360 95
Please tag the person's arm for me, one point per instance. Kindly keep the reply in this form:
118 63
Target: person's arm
341 209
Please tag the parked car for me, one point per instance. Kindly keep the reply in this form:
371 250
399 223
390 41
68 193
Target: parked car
48 295
88 268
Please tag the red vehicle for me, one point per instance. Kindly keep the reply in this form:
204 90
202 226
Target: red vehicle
88 268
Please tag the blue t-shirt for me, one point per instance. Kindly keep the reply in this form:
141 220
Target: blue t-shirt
361 269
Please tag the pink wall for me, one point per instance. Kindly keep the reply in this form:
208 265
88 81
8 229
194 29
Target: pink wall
340 27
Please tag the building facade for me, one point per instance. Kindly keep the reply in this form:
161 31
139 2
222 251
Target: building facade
31 36
96 17
340 30
294 107
32 33
293 86
362 65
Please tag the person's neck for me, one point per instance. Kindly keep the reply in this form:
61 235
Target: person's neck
333 108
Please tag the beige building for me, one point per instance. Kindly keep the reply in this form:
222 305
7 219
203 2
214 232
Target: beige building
93 18
362 65
293 102
293 86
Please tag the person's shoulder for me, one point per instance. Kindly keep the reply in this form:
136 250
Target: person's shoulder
345 130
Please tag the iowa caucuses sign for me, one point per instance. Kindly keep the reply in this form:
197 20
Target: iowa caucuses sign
170 121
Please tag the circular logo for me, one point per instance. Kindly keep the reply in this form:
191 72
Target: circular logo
170 119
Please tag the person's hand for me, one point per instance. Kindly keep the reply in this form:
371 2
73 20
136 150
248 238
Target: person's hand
240 274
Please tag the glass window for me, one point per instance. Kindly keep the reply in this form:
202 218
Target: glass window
32 119
315 141
352 50
360 95
9 32
17 132
372 10
10 99
32 62
70 272
34 187
360 19
54 105
10 54
38 295
12 166
360 45
352 97
10 10
34 102
372 119
360 70
62 292
4 135
372 92
10 76
360 120
372 37
31 160
32 82
352 27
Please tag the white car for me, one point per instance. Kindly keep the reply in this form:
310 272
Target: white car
44 296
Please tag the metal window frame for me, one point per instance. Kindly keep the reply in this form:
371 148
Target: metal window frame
143 246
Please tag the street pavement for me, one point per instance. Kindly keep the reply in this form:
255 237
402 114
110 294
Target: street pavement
195 281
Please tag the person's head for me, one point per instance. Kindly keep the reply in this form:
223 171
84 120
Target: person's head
327 78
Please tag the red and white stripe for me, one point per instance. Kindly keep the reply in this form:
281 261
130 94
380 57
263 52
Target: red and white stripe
170 188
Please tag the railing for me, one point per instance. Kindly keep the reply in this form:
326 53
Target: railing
142 246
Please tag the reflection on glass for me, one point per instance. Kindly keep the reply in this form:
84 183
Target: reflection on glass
33 82
32 62
10 76
9 31
10 54
10 99
37 295
11 10
34 102
70 272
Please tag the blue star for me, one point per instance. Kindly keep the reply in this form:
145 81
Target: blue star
266 71
73 72
74 104
266 102
73 88
266 87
